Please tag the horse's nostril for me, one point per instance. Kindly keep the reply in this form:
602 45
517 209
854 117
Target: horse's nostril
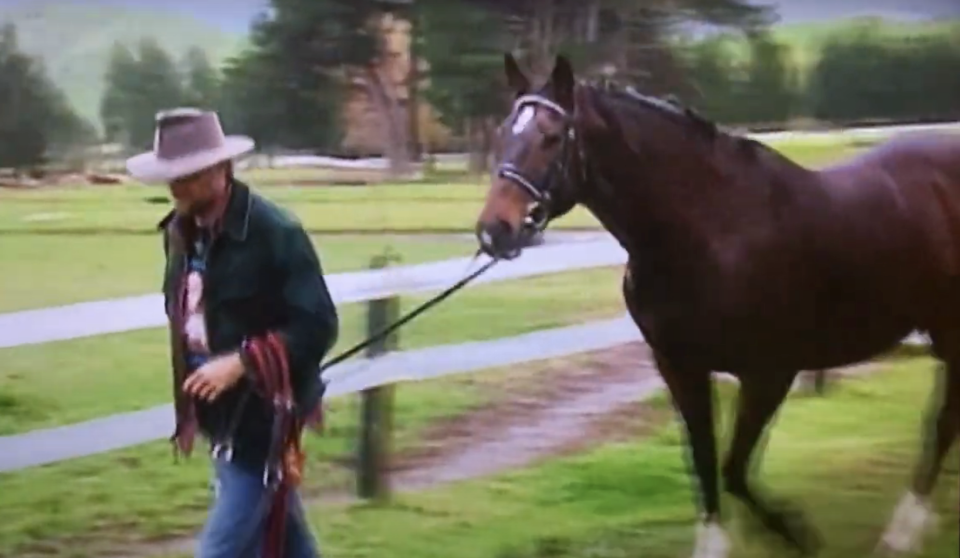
495 238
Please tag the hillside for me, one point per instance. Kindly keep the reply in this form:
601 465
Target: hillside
74 41
805 39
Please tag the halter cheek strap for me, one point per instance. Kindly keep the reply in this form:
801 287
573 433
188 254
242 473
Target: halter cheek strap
510 172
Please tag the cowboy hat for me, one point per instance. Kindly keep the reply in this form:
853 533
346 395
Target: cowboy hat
186 140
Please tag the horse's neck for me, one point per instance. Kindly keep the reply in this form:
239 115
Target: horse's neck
602 201
672 192
632 202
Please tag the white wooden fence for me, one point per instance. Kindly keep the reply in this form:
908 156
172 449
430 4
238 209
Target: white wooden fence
124 430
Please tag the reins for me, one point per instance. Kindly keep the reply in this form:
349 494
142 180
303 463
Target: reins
403 320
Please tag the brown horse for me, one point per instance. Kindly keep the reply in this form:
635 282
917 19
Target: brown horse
743 261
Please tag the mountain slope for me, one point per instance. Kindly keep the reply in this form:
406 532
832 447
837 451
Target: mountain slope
74 40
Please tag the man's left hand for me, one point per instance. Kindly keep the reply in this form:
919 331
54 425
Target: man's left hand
214 377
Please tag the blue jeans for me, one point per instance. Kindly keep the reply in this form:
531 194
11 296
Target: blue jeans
236 524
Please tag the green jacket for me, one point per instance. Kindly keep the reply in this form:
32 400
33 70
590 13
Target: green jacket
262 275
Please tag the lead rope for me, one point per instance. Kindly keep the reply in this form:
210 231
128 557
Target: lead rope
380 335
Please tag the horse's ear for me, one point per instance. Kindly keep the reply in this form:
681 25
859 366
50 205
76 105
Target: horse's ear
563 82
516 79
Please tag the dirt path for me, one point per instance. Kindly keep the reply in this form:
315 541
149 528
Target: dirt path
567 413
568 406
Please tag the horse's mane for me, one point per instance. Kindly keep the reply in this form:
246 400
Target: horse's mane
676 111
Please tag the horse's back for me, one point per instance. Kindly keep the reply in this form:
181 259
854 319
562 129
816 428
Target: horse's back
896 217
857 257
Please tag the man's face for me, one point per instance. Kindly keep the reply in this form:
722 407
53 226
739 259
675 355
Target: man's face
197 193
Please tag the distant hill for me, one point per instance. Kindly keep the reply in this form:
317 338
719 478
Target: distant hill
805 39
74 40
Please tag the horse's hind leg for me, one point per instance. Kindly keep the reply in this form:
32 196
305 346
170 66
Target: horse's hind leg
760 397
913 514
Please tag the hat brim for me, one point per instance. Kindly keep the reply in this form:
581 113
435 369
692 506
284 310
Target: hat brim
147 167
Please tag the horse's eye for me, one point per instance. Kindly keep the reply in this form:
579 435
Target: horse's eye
551 140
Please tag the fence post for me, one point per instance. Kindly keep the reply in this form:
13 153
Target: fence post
376 406
820 382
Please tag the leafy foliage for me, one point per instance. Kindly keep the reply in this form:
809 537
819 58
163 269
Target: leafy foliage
894 77
137 87
463 46
75 41
36 117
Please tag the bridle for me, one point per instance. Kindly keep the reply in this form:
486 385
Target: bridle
559 168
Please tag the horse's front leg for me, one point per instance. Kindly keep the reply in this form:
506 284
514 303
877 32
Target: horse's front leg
760 397
692 394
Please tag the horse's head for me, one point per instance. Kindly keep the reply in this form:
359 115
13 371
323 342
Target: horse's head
538 162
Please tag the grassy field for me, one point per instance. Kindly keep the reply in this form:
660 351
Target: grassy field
105 266
845 459
137 492
77 507
437 207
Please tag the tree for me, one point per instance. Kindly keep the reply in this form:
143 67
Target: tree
116 107
36 117
864 73
463 46
201 80
255 102
625 37
328 48
770 90
712 74
136 89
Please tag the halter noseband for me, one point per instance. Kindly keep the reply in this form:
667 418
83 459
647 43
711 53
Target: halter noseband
539 190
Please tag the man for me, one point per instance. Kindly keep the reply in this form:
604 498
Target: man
250 320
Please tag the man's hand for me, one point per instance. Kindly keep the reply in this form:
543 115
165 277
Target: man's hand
214 377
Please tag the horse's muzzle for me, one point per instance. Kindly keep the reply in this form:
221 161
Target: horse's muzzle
498 240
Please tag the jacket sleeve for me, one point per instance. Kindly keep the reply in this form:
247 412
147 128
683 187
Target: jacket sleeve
165 286
312 324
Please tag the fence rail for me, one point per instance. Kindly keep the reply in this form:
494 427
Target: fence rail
120 315
41 447
124 430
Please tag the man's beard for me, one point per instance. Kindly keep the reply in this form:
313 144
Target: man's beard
196 209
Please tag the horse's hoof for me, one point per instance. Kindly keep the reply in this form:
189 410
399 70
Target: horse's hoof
912 520
712 541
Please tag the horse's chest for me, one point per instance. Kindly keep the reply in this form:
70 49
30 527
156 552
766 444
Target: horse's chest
664 303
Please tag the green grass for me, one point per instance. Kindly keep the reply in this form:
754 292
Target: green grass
137 492
76 507
845 459
67 509
50 270
332 209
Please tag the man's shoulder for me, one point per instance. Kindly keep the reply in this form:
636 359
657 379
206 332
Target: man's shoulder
267 214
